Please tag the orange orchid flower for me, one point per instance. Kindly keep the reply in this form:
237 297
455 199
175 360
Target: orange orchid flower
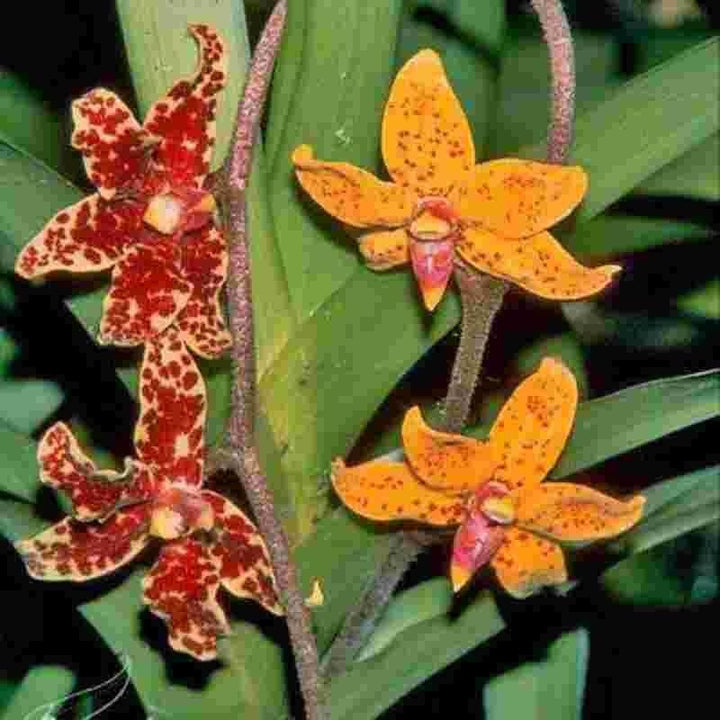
493 489
441 207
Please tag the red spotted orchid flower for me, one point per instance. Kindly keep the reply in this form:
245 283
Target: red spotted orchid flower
441 208
209 542
493 489
152 217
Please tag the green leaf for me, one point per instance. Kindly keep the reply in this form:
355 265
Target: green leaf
40 693
413 606
675 573
613 234
27 123
649 122
19 472
24 404
646 124
627 419
703 302
30 194
417 652
549 689
333 101
693 175
675 507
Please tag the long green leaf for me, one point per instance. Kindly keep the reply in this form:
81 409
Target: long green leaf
548 689
627 419
40 693
26 122
18 474
344 51
650 122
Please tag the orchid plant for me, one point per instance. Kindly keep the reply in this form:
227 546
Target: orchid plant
272 370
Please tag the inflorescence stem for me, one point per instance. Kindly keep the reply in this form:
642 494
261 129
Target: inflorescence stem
558 38
230 186
481 297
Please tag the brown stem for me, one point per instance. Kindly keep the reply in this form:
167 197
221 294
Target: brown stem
556 32
242 450
480 298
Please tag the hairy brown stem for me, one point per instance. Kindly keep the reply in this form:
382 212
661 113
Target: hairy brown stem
481 297
558 38
359 624
242 450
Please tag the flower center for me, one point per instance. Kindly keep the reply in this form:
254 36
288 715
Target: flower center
434 219
496 503
173 212
177 512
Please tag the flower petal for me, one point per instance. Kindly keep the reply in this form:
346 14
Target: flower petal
147 292
184 119
79 551
533 426
89 236
432 263
113 145
389 491
169 435
526 563
518 198
385 249
350 194
181 588
204 264
565 511
427 144
539 264
240 553
476 541
94 493
444 461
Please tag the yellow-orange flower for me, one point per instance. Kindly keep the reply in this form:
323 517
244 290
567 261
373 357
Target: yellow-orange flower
440 205
493 489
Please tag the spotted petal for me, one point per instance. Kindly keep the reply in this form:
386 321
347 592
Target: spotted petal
204 265
181 588
539 264
533 426
94 493
350 194
390 491
427 144
114 146
385 249
79 551
565 511
169 435
184 120
148 291
518 198
241 555
89 236
444 461
525 563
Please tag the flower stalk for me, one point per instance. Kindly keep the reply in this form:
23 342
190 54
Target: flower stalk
243 454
